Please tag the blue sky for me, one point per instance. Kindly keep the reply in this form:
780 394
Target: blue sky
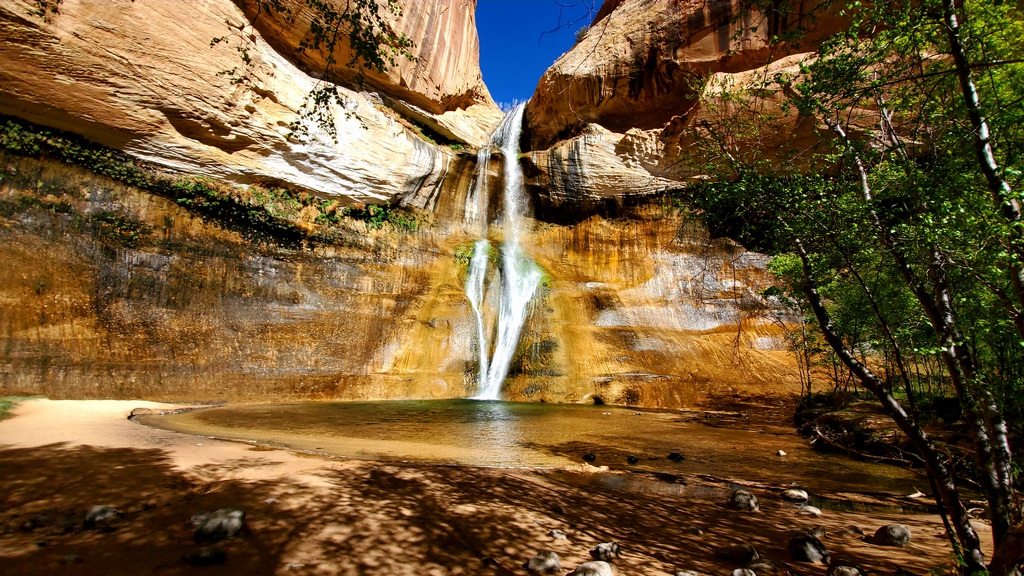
514 49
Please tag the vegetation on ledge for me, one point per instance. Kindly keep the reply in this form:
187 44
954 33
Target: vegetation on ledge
279 213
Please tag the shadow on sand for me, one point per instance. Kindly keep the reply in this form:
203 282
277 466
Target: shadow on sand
361 518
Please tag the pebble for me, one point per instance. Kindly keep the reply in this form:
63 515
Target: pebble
594 568
892 535
606 551
101 518
795 495
543 562
744 501
218 525
810 511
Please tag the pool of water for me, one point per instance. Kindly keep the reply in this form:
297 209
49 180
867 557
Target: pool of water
505 434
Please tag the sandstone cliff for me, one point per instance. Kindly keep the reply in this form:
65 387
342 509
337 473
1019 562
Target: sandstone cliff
143 77
441 86
620 112
110 291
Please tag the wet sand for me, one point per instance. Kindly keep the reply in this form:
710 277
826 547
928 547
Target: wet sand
310 514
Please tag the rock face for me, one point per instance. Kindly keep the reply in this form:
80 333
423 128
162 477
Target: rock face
138 77
111 291
108 291
619 113
441 86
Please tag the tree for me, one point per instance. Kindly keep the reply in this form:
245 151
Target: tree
905 249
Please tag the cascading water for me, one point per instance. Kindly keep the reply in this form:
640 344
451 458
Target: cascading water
519 275
476 204
475 292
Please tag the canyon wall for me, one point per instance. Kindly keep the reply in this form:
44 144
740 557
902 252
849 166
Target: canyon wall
625 112
111 291
147 78
107 291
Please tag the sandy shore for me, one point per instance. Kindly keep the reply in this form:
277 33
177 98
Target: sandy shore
313 515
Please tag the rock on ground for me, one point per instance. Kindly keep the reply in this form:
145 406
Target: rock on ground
216 526
744 501
606 551
543 562
845 568
594 568
807 548
741 553
765 567
101 518
892 535
795 495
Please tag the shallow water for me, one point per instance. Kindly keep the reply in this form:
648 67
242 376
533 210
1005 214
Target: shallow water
506 434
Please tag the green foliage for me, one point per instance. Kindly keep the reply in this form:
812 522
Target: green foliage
377 215
908 259
581 33
464 254
256 211
118 229
926 193
7 403
46 9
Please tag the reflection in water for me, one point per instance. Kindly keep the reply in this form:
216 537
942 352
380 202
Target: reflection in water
507 434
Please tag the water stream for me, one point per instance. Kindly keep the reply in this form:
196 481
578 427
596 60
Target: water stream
519 275
507 434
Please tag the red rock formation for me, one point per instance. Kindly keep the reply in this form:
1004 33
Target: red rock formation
143 77
644 62
621 114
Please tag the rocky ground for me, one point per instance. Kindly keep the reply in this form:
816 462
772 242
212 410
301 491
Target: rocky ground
60 460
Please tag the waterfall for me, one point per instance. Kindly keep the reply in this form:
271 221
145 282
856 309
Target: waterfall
519 275
475 292
476 204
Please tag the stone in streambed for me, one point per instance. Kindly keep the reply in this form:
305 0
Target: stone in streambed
765 567
795 495
818 532
845 568
809 511
851 530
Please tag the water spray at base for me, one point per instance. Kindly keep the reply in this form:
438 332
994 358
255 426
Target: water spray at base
519 276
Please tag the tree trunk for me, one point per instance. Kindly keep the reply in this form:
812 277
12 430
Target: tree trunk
947 494
1002 195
